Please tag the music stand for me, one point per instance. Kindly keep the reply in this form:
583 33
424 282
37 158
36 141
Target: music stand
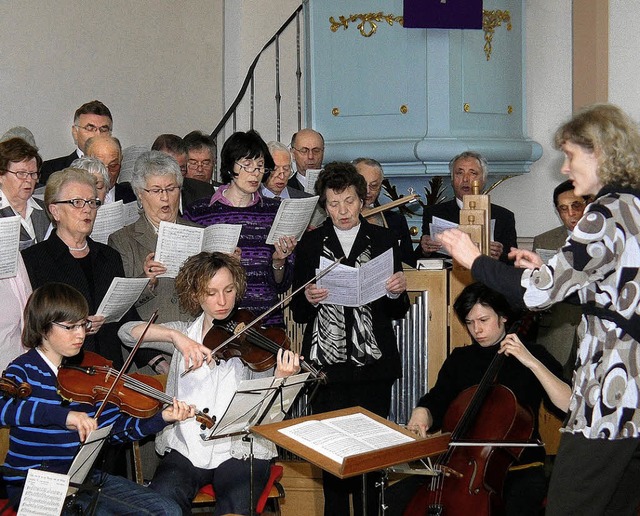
377 457
254 402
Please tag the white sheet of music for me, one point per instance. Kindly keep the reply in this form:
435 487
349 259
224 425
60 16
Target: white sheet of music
122 294
109 219
312 176
131 213
343 436
9 246
221 238
44 493
352 286
293 218
177 242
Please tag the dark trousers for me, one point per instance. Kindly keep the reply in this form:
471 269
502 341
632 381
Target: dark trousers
178 479
595 477
374 396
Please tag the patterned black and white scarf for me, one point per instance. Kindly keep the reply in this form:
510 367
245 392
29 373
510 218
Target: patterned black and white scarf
329 340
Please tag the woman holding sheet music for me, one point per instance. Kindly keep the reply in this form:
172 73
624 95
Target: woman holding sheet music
209 286
70 256
355 347
156 181
46 432
244 159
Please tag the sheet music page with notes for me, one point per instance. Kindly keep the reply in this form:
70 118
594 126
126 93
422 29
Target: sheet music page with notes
340 437
9 246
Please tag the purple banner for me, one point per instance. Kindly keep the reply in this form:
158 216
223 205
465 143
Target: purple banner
443 14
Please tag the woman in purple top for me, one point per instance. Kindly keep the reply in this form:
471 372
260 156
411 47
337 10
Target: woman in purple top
244 159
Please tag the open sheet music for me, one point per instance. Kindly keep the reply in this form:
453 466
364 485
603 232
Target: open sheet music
122 294
356 286
343 436
177 242
293 218
257 401
9 246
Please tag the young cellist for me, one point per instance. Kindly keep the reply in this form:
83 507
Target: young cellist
209 286
530 372
46 431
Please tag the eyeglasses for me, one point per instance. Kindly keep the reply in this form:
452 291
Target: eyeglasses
574 206
21 174
316 151
194 163
255 169
284 171
90 128
80 203
86 325
159 191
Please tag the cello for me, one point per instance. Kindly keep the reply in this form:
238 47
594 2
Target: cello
471 473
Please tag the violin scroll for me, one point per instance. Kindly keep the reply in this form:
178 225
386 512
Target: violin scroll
13 389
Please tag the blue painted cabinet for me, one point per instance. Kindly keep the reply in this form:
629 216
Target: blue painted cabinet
413 98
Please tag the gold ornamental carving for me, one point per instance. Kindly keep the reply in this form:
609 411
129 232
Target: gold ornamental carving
368 22
491 20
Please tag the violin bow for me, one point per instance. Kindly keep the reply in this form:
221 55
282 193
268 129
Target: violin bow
126 365
259 318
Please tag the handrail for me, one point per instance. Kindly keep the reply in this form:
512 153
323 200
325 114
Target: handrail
249 76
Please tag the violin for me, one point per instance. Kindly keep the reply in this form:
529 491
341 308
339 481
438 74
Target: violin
138 395
257 346
12 389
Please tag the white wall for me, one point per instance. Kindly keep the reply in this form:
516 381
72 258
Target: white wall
548 98
156 64
624 48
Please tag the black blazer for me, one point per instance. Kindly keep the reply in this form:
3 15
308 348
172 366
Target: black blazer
384 310
505 230
397 223
53 165
194 190
50 261
294 183
125 193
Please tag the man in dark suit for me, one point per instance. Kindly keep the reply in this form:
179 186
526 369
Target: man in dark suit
274 184
373 174
201 156
307 152
89 120
557 326
466 168
108 150
192 189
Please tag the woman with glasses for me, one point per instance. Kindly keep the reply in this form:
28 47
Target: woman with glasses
70 256
156 181
19 172
244 160
46 432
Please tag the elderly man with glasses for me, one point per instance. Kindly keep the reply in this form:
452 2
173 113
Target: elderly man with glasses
201 156
90 119
307 151
108 150
274 184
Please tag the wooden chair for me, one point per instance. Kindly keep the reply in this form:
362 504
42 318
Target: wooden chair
5 508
